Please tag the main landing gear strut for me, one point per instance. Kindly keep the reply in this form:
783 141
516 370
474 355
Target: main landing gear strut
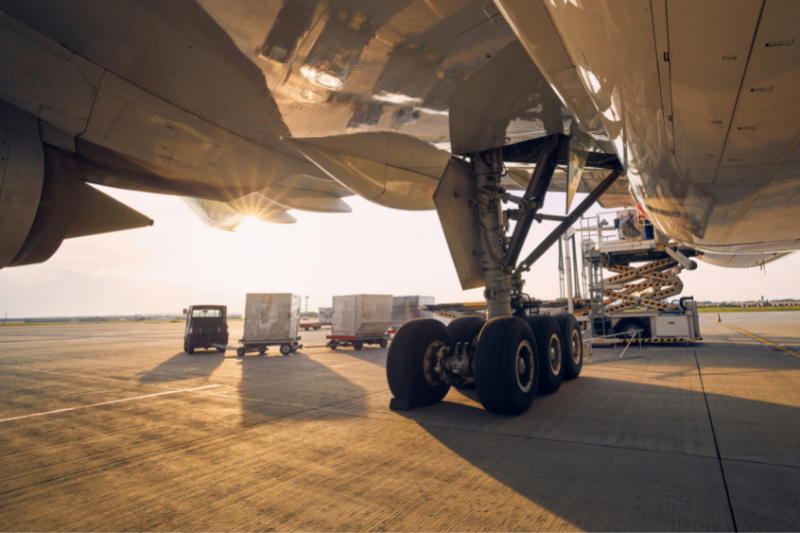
512 356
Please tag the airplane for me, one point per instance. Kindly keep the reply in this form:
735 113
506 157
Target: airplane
686 110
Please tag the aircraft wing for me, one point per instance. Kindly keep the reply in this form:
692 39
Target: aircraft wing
262 108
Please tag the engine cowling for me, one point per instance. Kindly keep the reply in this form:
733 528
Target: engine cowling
43 199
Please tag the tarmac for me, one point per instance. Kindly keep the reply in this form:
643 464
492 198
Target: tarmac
114 428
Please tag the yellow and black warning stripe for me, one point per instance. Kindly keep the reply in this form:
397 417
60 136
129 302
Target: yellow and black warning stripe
647 341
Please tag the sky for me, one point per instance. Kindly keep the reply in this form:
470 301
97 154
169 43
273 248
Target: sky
373 250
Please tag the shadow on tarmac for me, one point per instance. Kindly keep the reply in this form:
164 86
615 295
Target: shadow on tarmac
609 454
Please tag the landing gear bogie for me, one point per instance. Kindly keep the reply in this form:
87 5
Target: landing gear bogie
464 332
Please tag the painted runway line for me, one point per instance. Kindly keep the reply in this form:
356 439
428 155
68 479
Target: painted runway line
759 339
106 403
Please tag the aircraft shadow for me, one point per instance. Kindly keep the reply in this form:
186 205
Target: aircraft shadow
606 454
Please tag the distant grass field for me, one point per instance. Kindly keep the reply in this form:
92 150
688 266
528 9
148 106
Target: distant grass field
744 309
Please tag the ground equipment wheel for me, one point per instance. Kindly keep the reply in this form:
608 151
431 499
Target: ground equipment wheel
240 351
572 344
221 350
506 366
551 353
465 329
286 349
357 345
189 350
262 350
632 327
333 345
384 343
411 361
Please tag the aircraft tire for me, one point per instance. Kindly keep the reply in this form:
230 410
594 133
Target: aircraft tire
465 329
506 366
573 345
409 362
549 344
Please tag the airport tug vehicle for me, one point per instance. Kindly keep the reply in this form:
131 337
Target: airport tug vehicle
206 327
514 354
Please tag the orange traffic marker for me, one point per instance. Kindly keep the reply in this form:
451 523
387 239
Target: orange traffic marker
718 318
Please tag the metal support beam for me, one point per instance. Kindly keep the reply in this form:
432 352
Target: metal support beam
584 206
533 199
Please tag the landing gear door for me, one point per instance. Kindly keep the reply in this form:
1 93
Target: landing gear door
454 200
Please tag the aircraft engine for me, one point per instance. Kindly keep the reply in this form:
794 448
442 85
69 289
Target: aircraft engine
43 200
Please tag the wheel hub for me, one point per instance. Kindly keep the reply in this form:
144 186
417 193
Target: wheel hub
432 364
555 354
525 366
576 347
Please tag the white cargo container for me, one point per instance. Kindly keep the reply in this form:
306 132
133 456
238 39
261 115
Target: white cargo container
405 308
325 315
271 317
362 315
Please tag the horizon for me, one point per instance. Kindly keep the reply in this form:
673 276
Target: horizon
373 250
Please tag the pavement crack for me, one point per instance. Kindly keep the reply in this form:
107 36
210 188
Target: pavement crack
716 445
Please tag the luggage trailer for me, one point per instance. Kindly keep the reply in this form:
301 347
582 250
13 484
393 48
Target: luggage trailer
287 346
357 342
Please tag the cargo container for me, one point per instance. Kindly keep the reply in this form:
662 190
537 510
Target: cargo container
324 318
271 320
361 319
405 308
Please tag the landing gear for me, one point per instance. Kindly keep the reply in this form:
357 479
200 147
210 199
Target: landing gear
413 366
506 366
551 353
512 356
572 344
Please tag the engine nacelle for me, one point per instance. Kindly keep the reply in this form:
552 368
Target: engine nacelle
43 199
